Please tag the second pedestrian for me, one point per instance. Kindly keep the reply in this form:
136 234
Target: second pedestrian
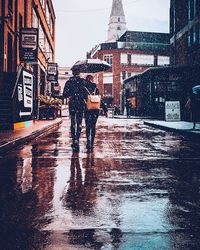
91 115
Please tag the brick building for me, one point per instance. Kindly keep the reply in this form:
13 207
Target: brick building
185 32
129 53
132 53
15 15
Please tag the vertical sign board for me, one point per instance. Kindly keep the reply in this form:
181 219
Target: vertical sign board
52 72
172 111
29 44
23 101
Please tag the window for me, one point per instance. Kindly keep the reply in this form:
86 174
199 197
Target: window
49 51
42 4
174 19
41 38
190 37
142 59
123 58
49 19
108 59
48 15
10 4
35 21
163 60
195 7
20 22
107 90
107 77
197 33
129 59
118 19
194 35
123 75
118 28
25 13
161 99
191 9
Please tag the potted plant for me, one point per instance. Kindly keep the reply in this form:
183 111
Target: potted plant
49 107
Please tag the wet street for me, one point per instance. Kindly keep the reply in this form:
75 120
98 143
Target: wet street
140 189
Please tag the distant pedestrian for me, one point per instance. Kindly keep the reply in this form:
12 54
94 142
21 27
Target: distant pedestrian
116 110
75 92
128 108
91 115
195 108
193 104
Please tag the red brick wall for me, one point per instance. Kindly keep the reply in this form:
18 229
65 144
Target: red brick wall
117 69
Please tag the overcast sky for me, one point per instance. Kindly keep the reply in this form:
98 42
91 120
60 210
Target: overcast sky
82 24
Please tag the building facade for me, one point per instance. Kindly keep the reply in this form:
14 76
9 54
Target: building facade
132 53
185 32
64 73
16 15
158 85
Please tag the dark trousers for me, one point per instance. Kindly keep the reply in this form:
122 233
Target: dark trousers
90 122
76 124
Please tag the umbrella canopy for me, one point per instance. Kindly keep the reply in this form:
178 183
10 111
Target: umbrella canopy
196 90
91 66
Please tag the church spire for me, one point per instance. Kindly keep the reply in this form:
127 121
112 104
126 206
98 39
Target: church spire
117 24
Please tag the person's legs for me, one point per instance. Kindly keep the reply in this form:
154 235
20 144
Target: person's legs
73 125
128 112
194 117
88 129
79 119
93 129
76 127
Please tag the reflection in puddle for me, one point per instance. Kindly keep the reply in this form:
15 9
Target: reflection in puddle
139 190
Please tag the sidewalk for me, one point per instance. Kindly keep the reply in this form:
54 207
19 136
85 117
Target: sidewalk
181 127
11 139
131 117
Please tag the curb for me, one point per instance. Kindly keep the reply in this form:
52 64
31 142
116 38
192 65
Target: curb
179 131
23 140
132 117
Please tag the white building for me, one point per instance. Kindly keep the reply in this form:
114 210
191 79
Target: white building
64 73
117 23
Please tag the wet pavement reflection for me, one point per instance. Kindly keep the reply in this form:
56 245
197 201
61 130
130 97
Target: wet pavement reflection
140 189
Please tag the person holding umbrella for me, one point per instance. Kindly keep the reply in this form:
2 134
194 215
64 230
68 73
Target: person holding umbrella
91 115
74 90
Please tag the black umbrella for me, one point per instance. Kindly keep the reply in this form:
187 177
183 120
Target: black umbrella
91 66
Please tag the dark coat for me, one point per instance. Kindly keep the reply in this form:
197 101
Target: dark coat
75 91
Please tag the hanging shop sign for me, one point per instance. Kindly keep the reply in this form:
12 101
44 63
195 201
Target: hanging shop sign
29 44
52 72
23 96
172 111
